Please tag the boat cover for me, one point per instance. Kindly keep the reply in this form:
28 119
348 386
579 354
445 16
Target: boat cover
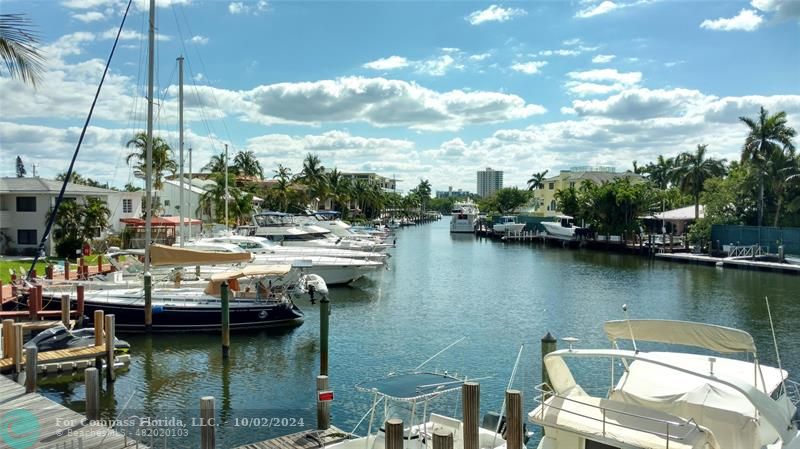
161 255
213 286
716 338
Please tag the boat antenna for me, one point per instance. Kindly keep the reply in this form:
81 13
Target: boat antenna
510 382
775 342
68 174
630 329
440 352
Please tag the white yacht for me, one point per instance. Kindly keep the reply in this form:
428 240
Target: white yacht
508 224
260 245
463 217
283 229
665 399
562 226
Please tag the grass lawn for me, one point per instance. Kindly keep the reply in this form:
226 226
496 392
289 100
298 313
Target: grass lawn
6 265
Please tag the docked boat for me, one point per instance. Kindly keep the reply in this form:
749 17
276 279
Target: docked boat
562 226
669 399
260 245
284 230
508 224
463 217
411 396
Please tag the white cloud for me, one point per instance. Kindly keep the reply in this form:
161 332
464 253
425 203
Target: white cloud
603 75
129 35
783 9
494 13
568 111
390 63
560 52
199 40
584 89
480 56
746 20
598 9
90 16
237 8
603 59
529 68
674 63
438 66
246 8
641 103
574 41
86 4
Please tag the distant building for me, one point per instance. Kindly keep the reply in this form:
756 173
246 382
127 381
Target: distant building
489 181
450 193
170 197
388 185
574 177
25 203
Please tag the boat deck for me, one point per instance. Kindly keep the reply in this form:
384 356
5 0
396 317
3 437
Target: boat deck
308 439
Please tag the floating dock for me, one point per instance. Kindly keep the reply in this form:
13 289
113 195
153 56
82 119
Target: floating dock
747 264
309 439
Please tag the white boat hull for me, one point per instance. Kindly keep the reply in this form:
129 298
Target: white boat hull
509 227
557 230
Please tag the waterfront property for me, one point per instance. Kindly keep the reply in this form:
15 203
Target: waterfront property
489 181
545 195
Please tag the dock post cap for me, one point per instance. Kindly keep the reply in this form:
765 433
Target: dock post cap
549 338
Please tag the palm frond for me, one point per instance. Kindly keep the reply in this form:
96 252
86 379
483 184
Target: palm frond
18 48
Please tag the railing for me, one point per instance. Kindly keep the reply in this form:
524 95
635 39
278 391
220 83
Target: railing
547 392
746 251
793 391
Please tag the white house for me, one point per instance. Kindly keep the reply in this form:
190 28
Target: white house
25 203
170 197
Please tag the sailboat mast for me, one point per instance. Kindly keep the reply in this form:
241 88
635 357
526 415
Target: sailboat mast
189 210
180 140
226 187
149 152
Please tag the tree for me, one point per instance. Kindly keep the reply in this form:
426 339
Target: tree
537 180
692 170
661 172
212 202
778 172
20 168
768 134
95 217
162 158
281 192
505 200
246 164
216 164
340 189
313 176
568 201
18 48
424 191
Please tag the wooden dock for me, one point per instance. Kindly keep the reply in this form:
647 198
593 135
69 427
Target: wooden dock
727 262
47 424
309 439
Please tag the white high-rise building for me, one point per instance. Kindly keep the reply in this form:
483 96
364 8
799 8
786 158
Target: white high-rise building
489 181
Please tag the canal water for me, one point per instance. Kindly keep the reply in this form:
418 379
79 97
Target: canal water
438 288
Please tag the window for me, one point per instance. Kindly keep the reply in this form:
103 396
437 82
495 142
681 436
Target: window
26 237
166 202
551 186
26 204
552 204
127 206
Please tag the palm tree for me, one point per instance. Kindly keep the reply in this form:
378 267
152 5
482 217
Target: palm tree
281 190
313 176
95 216
779 170
216 164
537 180
162 158
246 164
692 170
340 189
767 135
18 48
661 174
212 202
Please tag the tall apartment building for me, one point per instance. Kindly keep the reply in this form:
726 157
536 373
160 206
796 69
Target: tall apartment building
489 181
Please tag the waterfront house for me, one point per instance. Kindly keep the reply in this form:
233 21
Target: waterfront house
25 203
574 177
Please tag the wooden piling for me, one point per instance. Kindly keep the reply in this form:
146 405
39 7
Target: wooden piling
66 269
207 430
471 406
324 319
17 353
99 322
148 302
323 408
48 272
31 358
80 292
226 321
549 344
65 310
99 263
92 383
8 337
394 433
514 419
110 330
39 299
442 439
32 303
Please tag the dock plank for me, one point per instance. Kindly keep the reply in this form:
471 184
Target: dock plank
61 355
309 439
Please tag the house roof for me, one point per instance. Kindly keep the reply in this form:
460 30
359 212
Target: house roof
594 176
680 214
41 186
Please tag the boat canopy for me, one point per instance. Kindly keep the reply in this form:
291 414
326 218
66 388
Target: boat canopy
716 338
161 255
232 277
412 386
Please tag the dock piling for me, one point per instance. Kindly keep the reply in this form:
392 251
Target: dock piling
110 330
99 322
394 433
80 291
33 309
65 310
66 269
8 337
323 407
514 419
471 405
442 439
16 354
92 382
31 357
207 431
148 302
324 323
549 344
226 321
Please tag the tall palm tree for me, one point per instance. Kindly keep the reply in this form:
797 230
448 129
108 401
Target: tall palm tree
768 134
692 170
340 189
216 164
537 180
162 158
246 164
18 48
780 169
661 174
313 176
95 216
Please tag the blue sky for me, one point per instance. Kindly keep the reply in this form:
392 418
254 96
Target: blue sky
433 90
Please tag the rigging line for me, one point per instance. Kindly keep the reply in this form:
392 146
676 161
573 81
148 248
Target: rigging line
60 196
440 352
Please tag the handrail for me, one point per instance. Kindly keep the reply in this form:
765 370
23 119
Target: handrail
547 392
793 391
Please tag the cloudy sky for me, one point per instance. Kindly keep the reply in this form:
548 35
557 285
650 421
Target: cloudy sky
411 89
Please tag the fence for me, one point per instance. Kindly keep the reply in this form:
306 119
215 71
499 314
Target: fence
765 236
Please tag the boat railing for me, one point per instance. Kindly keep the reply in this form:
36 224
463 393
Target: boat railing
676 431
793 391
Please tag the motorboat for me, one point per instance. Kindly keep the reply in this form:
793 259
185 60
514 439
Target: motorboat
659 399
284 230
508 224
260 245
412 397
463 217
562 226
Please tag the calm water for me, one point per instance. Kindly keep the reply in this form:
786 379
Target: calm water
438 288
